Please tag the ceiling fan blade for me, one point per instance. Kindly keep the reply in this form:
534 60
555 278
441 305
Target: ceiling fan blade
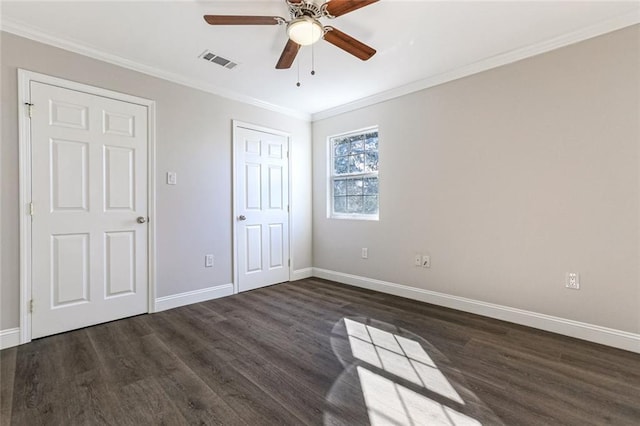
243 20
337 8
348 43
288 55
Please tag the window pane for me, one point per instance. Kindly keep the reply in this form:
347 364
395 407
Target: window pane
371 204
341 165
339 187
357 146
356 163
354 204
340 204
341 147
371 141
354 186
371 186
371 161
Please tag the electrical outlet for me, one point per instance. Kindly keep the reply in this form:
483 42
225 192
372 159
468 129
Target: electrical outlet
572 281
426 261
417 260
172 178
365 253
208 261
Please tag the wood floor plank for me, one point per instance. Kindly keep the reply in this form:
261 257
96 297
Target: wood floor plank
296 396
537 375
119 365
77 352
281 351
243 396
87 399
7 376
284 355
589 379
36 373
146 403
205 313
195 401
132 328
185 334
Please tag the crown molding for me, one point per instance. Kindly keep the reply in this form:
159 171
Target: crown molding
22 30
607 26
613 24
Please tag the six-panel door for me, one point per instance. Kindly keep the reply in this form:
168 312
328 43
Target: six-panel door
262 199
89 186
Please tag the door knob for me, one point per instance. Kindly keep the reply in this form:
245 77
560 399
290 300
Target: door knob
242 217
141 219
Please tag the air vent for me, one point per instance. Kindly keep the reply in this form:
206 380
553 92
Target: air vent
209 56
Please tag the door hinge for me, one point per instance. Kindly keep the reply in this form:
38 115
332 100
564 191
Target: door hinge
30 209
31 306
29 109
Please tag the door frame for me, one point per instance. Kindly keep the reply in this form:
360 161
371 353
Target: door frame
237 124
25 78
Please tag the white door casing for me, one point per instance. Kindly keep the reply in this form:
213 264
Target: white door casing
261 188
89 184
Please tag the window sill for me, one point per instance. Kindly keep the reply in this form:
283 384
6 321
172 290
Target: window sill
355 217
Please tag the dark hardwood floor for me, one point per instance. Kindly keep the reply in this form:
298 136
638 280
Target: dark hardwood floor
315 352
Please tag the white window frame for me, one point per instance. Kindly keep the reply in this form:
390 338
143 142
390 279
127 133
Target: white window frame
331 177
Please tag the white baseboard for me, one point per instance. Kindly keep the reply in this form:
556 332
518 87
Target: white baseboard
300 274
580 330
189 297
9 338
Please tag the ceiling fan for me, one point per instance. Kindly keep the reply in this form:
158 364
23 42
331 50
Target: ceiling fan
304 27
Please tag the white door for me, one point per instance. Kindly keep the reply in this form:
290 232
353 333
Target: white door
262 204
89 187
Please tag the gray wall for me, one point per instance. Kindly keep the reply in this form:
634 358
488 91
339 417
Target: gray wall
509 179
194 134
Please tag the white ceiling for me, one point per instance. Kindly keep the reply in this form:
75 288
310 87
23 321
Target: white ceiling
415 40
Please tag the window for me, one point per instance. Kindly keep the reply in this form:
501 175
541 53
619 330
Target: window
354 174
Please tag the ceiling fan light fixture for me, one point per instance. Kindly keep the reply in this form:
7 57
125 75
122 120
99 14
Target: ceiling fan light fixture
305 30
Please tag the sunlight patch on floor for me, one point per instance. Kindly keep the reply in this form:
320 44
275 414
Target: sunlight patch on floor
390 403
399 356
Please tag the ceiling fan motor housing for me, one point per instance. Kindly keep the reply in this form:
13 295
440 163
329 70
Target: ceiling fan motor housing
313 8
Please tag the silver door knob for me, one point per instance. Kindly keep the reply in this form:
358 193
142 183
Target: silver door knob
242 217
141 219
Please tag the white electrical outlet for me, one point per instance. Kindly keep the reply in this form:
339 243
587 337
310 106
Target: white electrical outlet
365 253
417 260
426 261
208 261
172 178
572 281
